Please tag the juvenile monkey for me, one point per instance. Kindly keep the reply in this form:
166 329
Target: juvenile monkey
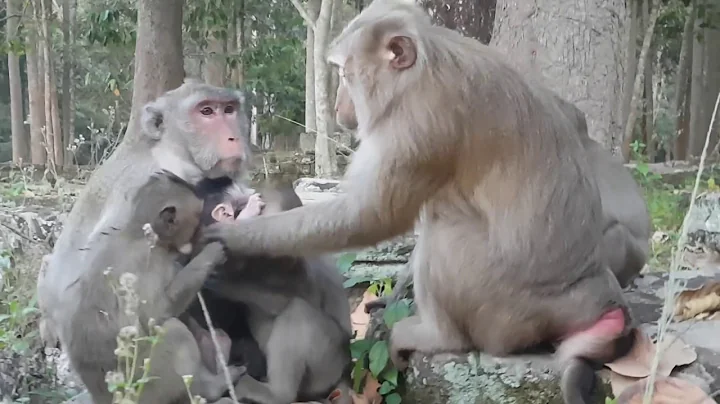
160 292
510 251
297 309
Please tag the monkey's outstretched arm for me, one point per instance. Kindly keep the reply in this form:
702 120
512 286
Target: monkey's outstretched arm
184 287
388 190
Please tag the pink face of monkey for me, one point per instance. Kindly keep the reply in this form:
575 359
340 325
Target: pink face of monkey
219 121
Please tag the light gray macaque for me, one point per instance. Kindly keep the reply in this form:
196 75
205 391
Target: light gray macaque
626 225
510 251
298 310
192 132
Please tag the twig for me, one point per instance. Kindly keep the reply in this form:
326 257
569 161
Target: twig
314 132
672 284
304 14
218 353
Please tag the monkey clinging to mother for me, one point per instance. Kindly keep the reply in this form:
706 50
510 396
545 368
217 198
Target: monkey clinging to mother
493 168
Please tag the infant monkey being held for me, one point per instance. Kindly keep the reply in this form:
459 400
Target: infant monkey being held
297 308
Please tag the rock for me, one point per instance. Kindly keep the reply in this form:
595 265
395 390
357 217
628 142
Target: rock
476 378
704 221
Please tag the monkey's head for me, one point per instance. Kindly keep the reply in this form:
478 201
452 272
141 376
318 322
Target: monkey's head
172 208
222 200
202 127
378 55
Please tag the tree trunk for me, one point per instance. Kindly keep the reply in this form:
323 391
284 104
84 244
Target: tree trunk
473 19
313 8
712 80
49 134
697 89
682 86
215 60
67 110
631 56
20 146
325 159
36 91
649 119
573 47
639 79
236 43
158 56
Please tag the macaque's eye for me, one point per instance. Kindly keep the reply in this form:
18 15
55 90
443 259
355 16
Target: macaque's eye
206 111
229 109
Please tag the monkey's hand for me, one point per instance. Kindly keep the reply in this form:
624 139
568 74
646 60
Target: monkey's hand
253 208
212 255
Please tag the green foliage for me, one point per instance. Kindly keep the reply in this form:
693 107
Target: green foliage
374 356
112 27
18 309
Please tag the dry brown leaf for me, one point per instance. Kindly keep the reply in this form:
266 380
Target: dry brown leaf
636 364
359 318
670 390
620 383
698 303
638 361
675 353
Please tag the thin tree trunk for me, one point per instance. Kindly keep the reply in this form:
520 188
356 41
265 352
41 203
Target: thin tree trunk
697 93
313 8
631 56
36 92
682 85
639 80
20 146
325 159
215 60
158 56
649 127
712 79
67 110
52 119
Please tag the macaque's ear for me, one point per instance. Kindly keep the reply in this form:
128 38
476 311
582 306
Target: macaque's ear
164 224
223 212
152 121
401 52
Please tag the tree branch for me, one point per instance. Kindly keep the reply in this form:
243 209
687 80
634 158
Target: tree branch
304 14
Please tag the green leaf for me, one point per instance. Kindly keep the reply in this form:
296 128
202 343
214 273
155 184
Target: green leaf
360 347
393 398
358 375
386 388
379 357
395 312
345 262
390 375
20 346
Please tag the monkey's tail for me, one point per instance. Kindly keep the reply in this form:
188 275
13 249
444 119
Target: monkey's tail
578 381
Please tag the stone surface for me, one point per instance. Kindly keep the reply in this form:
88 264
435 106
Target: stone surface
704 221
